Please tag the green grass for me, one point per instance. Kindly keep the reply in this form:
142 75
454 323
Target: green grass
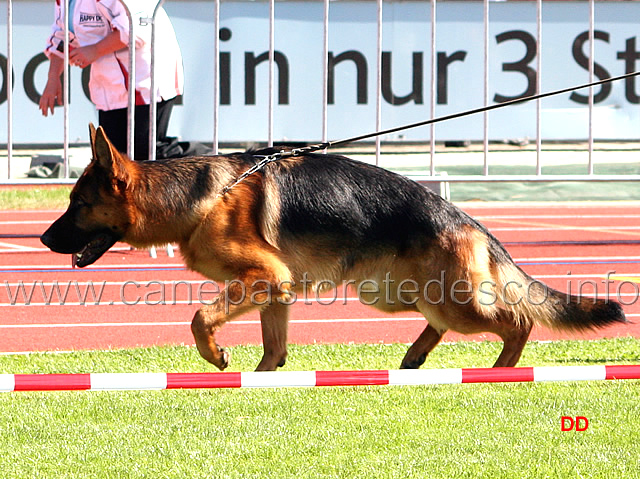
29 198
483 430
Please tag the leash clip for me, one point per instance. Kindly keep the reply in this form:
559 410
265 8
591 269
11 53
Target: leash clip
258 166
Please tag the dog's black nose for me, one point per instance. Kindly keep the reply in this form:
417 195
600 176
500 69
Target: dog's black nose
45 239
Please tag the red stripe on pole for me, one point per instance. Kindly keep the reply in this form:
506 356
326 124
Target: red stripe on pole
52 382
497 375
352 378
623 372
203 380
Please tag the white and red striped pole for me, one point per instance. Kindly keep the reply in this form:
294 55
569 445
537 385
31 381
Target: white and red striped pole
155 381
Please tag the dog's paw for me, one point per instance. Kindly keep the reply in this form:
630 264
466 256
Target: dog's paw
225 359
415 364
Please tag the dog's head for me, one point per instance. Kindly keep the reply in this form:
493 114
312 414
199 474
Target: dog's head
98 215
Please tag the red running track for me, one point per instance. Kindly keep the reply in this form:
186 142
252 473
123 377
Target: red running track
128 299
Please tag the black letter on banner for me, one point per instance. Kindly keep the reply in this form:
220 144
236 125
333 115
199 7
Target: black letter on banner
387 89
630 55
361 70
443 73
250 63
225 78
3 67
598 69
225 69
521 66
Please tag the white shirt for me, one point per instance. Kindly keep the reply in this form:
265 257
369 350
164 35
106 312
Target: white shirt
93 20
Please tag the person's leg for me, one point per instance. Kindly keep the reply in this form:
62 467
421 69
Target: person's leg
163 115
166 147
114 123
142 133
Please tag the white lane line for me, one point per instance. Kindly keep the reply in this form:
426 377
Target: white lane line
26 222
586 259
26 212
186 323
44 268
560 227
239 322
176 283
551 217
12 247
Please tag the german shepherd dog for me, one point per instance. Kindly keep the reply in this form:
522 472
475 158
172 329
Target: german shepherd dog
308 220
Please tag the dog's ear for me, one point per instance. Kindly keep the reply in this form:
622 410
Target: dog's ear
107 157
92 140
92 132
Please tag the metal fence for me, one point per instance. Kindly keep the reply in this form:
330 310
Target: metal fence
379 6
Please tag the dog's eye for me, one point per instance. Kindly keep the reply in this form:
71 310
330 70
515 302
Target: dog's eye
80 203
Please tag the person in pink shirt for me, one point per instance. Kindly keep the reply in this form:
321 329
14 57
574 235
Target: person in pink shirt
99 37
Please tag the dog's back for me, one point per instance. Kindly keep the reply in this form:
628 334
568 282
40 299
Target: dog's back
357 205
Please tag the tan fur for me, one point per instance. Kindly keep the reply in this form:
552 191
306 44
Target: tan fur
270 212
521 299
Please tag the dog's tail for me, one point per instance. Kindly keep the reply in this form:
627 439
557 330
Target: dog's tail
533 302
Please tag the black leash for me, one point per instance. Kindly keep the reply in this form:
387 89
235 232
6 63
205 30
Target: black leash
465 113
328 144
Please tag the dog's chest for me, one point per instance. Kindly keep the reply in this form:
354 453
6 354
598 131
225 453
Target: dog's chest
212 266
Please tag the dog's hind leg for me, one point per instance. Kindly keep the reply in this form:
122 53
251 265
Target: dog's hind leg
515 339
274 320
417 353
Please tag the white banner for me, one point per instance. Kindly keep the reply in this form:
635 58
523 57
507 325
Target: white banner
406 62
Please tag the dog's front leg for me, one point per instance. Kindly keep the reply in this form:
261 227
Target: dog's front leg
275 320
233 301
239 297
204 325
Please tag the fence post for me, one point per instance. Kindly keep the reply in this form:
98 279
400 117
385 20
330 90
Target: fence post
132 84
485 140
65 88
152 101
272 20
432 106
216 74
9 80
378 79
538 88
